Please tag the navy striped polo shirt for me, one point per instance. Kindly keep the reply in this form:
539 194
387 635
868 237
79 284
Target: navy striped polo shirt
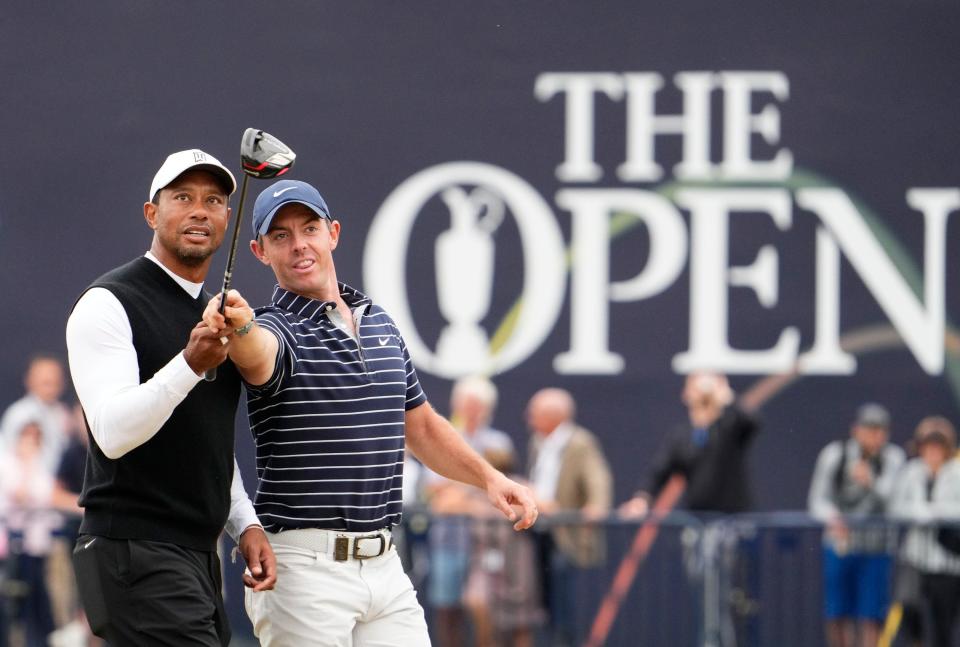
329 423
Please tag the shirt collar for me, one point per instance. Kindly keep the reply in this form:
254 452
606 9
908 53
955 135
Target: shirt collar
314 309
556 440
193 289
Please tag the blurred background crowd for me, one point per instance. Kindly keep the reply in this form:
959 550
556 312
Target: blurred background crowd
887 556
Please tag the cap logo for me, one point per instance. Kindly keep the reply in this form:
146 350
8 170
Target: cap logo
199 156
277 194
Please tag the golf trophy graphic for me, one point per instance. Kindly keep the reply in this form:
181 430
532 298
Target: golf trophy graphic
464 266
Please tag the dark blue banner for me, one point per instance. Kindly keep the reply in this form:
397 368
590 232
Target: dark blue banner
598 196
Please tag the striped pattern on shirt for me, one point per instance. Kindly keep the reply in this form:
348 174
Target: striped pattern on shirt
329 423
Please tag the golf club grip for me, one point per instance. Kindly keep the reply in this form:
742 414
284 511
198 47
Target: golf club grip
211 373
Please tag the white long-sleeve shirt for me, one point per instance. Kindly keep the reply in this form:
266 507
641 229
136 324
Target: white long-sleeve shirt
912 502
123 413
861 500
854 501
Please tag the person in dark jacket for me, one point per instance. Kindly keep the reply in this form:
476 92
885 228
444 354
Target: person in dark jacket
708 455
709 452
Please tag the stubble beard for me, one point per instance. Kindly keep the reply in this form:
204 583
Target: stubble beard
193 257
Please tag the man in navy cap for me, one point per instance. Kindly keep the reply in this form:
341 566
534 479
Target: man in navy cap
333 400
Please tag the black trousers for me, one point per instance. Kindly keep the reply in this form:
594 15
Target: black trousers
942 593
138 593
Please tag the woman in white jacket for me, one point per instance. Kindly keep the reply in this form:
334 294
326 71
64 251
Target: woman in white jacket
927 494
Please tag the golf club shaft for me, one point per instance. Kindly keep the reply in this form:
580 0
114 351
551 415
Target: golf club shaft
211 374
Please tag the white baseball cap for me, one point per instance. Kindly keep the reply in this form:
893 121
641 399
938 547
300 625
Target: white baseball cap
178 163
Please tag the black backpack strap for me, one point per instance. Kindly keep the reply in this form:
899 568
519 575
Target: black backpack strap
841 472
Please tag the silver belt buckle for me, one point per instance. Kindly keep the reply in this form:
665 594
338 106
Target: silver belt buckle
380 551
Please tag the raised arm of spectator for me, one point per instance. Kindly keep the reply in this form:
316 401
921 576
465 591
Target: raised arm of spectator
743 424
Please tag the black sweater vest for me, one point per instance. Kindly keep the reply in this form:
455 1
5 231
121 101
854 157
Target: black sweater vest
176 486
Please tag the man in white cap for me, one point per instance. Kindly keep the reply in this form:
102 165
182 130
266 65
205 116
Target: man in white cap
334 401
161 480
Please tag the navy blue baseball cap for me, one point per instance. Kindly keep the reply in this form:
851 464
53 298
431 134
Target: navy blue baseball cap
282 193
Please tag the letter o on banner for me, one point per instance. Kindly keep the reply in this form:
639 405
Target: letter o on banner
544 272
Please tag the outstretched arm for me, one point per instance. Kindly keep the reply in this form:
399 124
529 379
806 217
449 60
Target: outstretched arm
438 446
253 349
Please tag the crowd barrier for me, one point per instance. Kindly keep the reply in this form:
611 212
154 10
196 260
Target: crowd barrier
752 580
731 581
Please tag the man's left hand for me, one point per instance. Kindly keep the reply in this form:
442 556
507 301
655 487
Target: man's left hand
261 574
237 313
504 494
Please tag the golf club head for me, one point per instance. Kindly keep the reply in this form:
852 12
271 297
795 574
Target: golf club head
264 156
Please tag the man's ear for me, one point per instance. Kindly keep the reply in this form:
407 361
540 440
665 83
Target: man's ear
150 214
334 227
257 250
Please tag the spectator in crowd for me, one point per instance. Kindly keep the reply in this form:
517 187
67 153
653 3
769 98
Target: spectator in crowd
927 491
709 452
472 402
68 479
410 538
26 487
73 628
852 482
503 585
568 473
44 382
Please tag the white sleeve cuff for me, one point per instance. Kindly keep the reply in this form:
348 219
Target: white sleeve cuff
178 375
242 515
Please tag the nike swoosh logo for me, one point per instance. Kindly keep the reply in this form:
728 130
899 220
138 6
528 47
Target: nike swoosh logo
383 340
277 194
89 543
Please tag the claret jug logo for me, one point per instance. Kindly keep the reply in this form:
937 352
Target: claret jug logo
478 197
754 176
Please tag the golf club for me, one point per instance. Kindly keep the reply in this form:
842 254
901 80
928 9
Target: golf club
261 156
